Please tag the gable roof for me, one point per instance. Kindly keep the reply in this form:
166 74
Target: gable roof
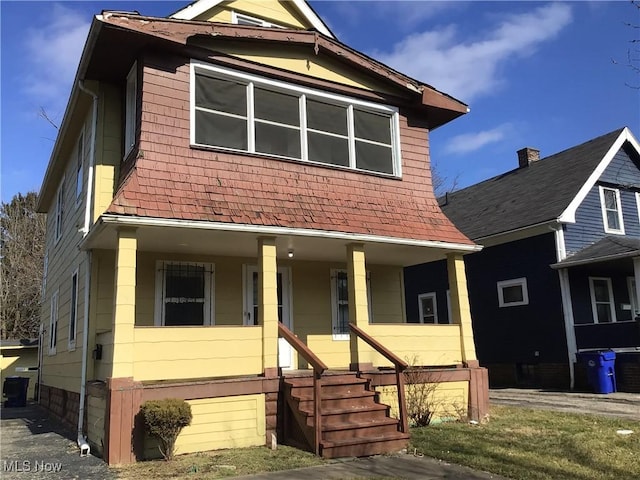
547 190
198 7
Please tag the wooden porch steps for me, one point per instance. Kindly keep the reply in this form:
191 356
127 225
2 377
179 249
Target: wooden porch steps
353 422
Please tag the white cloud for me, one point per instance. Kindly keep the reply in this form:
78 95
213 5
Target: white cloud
470 142
53 52
468 69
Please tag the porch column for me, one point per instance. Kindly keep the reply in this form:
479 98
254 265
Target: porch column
357 292
124 304
268 303
460 310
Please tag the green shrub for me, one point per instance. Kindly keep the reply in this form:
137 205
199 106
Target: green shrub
164 419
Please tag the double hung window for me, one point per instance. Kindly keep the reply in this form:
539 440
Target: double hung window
611 210
512 293
602 304
73 315
246 113
53 324
428 308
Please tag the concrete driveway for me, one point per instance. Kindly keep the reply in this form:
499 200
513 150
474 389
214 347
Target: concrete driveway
35 446
623 405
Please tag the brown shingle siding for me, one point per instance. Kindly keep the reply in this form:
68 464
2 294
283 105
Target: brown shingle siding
173 180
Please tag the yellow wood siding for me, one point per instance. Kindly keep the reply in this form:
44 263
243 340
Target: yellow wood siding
427 344
163 353
449 400
62 369
19 357
108 148
103 367
387 294
272 11
96 411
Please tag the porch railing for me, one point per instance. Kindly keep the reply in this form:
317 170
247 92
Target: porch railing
400 366
318 368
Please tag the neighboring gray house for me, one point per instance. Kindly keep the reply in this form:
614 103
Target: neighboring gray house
560 271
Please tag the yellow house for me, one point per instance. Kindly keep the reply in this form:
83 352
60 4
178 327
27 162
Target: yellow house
19 358
231 201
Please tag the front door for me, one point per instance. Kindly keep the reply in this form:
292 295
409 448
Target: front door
285 351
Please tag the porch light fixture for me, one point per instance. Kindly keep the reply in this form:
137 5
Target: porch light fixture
290 254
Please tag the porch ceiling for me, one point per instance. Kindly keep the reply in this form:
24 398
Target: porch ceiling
314 247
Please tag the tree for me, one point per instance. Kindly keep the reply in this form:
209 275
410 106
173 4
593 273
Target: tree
22 245
633 52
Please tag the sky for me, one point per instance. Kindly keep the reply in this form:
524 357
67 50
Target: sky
534 74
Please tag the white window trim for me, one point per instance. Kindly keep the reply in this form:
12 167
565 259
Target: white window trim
131 109
612 305
79 169
209 289
433 296
638 204
235 17
53 322
348 102
635 308
59 213
247 301
73 311
334 303
522 282
604 210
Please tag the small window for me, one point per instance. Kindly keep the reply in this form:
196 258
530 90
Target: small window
73 315
53 324
80 169
602 304
611 210
59 211
131 110
428 308
340 303
184 294
240 19
512 293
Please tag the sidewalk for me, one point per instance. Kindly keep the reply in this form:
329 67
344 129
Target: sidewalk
406 467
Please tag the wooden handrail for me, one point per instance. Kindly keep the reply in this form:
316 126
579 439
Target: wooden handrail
400 366
318 368
301 348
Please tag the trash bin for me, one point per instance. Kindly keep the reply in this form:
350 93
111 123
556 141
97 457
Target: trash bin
600 370
15 389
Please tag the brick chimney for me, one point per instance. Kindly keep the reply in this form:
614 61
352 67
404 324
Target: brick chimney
527 155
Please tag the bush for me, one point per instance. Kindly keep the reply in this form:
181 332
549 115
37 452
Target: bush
164 420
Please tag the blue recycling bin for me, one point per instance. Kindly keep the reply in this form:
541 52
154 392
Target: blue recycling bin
600 370
15 389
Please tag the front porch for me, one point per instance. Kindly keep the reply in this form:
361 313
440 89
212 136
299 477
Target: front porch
231 362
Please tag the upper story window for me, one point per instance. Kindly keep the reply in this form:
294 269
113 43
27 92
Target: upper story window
184 294
513 292
80 168
611 210
59 211
241 112
130 110
241 19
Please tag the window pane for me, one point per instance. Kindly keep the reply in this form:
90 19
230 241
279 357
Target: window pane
188 313
512 294
277 140
601 291
343 291
184 281
221 131
277 107
427 306
328 149
374 157
610 199
343 319
326 117
604 313
371 126
613 221
222 95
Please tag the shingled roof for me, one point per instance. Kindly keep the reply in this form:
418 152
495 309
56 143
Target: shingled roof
526 196
607 248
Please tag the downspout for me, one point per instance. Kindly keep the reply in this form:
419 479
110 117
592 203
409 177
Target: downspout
82 441
567 308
